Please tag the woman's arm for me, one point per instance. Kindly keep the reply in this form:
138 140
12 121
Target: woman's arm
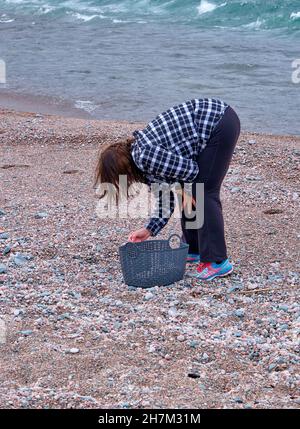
162 212
164 209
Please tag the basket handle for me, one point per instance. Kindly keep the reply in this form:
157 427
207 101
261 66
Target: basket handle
172 236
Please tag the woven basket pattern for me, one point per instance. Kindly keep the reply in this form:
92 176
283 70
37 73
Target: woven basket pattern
153 262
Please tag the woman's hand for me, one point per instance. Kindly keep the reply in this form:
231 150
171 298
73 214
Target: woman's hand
187 200
139 235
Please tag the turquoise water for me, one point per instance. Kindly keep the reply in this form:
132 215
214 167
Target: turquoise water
230 14
131 59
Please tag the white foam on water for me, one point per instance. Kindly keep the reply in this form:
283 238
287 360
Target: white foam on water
86 18
205 7
117 21
123 21
86 105
4 19
43 10
255 25
81 7
295 15
15 1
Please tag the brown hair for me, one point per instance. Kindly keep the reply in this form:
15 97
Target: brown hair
115 160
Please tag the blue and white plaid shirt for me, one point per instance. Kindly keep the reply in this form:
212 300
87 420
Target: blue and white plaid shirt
166 150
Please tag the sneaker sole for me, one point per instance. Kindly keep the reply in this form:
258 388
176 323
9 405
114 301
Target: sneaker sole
217 275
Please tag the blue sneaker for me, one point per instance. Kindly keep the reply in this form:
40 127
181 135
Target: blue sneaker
210 270
193 258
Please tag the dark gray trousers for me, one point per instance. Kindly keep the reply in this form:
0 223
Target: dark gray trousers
213 162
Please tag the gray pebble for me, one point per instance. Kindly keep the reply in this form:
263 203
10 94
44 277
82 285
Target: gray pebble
26 332
117 325
284 327
193 374
6 250
235 189
283 307
4 235
172 312
21 260
148 296
272 322
204 358
280 360
75 294
252 286
73 350
239 313
41 215
254 355
180 338
234 288
2 213
3 269
254 178
272 366
87 398
64 316
275 277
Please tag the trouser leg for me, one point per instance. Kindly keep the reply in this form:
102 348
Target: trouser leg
213 164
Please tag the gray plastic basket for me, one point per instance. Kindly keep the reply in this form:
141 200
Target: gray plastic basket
153 262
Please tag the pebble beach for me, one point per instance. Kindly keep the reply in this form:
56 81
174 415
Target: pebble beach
73 335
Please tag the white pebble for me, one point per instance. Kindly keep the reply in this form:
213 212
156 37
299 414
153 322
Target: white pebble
74 350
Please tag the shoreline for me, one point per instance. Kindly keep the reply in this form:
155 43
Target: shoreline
56 107
28 103
72 123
